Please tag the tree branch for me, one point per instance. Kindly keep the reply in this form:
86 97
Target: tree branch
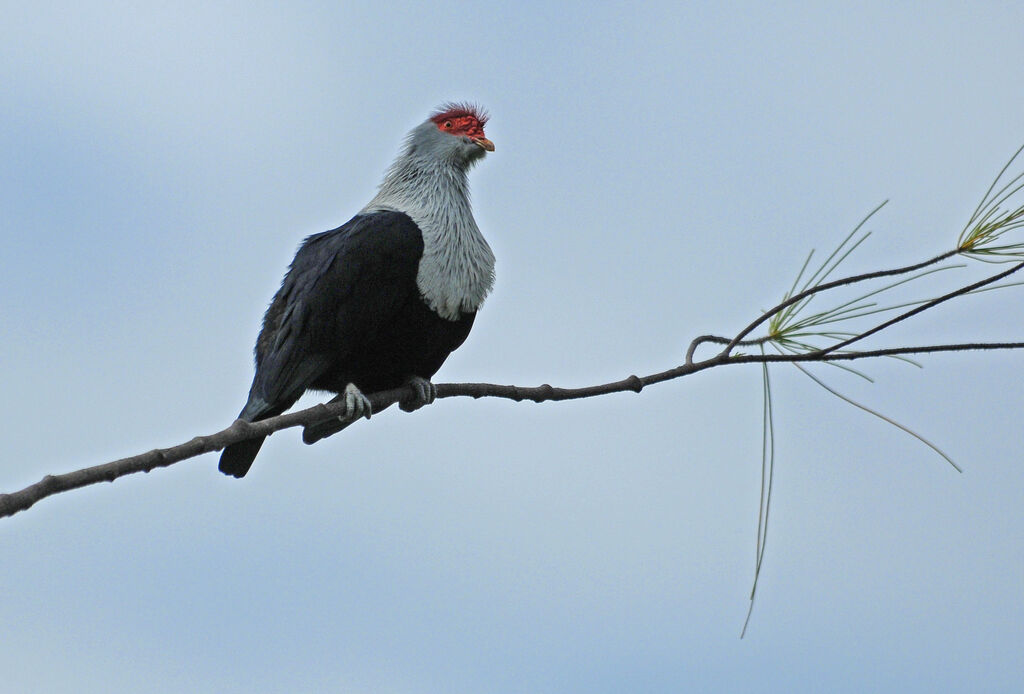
240 430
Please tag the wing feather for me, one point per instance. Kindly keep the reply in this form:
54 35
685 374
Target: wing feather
343 286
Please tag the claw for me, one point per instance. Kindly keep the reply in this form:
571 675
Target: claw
356 404
425 393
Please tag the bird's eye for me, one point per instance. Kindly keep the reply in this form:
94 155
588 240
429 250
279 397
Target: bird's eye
448 124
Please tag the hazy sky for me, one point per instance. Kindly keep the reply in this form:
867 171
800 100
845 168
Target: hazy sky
661 171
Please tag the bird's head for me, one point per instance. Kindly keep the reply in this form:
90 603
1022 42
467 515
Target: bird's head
454 133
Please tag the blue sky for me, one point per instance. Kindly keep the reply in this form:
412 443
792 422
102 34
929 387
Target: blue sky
661 172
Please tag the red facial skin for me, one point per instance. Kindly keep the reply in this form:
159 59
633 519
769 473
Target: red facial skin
465 122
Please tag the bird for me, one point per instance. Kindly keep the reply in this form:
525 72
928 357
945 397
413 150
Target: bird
381 301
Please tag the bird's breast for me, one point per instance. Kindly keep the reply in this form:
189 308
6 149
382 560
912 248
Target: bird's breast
456 272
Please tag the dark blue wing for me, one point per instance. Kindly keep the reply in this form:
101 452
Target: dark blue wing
343 287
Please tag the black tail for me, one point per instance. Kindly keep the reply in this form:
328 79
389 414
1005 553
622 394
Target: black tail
237 458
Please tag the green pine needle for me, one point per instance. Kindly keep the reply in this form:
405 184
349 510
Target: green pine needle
980 238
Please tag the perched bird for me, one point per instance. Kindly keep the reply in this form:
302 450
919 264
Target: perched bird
382 300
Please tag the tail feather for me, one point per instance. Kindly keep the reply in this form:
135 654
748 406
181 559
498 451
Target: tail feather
237 458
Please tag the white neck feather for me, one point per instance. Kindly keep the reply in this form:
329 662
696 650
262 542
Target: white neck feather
428 183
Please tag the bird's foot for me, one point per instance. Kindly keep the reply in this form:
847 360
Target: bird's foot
356 404
425 392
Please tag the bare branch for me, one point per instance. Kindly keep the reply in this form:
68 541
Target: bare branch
163 457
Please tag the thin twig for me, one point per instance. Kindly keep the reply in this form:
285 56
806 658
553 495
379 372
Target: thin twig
698 341
843 282
924 307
